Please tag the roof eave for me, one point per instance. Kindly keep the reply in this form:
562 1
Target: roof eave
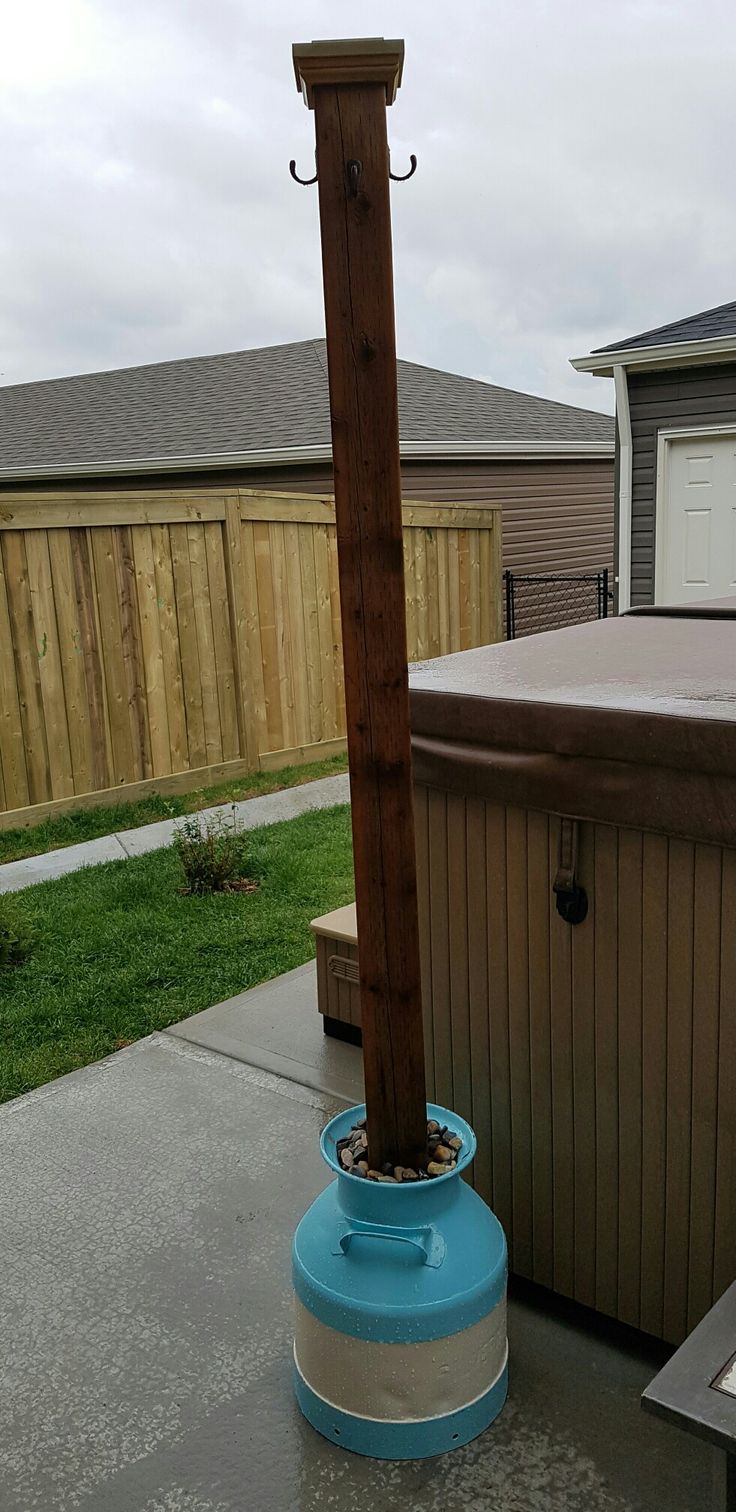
669 354
451 451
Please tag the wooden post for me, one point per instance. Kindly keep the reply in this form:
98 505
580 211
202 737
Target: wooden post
348 85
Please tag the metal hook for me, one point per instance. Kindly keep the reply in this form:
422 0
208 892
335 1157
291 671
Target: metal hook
400 177
354 168
295 175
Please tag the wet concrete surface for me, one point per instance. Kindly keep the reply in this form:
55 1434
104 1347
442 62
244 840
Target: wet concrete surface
277 1027
147 1205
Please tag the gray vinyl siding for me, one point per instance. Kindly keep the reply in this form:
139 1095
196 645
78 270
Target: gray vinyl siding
557 515
667 400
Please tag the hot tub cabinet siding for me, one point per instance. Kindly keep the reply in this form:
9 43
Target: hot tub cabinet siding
596 1061
591 1059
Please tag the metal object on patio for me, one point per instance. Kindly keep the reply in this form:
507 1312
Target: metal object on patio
537 601
696 1390
401 1349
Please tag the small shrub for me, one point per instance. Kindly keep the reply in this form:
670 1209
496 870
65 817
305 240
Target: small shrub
17 936
212 853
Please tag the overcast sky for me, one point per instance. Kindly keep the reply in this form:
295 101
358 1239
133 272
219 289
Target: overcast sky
575 179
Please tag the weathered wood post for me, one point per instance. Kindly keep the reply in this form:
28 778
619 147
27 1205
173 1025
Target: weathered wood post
400 1275
349 85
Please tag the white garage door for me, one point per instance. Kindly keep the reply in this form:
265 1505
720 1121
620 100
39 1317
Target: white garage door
696 530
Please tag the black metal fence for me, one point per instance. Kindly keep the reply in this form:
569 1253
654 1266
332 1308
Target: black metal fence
550 601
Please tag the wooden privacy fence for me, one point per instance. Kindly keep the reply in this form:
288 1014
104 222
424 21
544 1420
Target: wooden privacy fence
170 640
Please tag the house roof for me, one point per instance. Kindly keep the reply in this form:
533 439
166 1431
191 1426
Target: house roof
262 405
707 337
720 321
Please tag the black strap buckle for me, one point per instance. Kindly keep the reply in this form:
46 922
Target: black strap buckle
571 899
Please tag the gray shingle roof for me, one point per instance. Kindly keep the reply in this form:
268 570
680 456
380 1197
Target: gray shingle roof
720 321
270 398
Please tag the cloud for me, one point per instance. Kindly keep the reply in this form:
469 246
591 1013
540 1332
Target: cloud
573 183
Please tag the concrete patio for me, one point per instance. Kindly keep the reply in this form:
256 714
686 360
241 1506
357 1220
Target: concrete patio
146 1212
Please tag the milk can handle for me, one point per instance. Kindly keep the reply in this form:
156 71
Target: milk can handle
427 1240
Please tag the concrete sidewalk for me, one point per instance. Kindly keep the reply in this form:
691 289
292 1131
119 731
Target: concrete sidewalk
147 1208
251 813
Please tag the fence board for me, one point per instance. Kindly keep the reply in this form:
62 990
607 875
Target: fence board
188 647
298 641
222 641
26 663
254 652
463 573
71 656
421 594
311 629
51 682
270 631
146 634
205 642
328 691
152 649
336 630
411 596
284 644
443 595
88 613
107 602
12 750
170 648
132 654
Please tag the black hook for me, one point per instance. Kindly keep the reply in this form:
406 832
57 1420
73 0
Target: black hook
400 177
354 169
295 175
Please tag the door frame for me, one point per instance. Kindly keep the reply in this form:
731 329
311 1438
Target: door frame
661 515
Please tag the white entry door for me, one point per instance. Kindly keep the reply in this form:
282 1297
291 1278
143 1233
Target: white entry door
696 521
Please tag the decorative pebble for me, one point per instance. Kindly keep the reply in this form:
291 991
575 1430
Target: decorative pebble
443 1148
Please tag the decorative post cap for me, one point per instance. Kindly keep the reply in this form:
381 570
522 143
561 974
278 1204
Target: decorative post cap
355 60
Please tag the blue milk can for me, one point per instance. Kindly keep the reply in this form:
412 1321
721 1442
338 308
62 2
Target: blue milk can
400 1342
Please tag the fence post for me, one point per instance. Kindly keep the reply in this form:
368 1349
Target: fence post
509 584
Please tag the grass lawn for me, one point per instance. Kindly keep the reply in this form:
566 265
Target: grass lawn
120 952
87 824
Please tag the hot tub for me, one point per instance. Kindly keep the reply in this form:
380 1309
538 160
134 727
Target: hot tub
576 843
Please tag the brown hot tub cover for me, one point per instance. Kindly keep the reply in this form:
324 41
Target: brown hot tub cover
629 721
